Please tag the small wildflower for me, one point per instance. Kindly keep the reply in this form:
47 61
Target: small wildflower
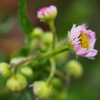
82 41
47 13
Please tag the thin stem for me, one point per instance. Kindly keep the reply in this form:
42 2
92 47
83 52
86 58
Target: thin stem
34 57
60 74
23 61
52 27
53 68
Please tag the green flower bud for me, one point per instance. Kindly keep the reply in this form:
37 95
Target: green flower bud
47 38
62 95
27 71
43 47
56 82
5 69
33 42
42 89
37 32
74 68
16 83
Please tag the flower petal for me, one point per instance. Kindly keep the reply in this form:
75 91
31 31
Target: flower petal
92 54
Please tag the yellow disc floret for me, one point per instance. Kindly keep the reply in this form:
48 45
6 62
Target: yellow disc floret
84 41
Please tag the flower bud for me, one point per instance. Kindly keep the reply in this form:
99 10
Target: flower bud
43 47
47 13
5 70
56 82
42 89
47 38
26 71
16 83
74 68
37 32
33 42
62 95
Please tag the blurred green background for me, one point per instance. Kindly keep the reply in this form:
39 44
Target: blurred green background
69 12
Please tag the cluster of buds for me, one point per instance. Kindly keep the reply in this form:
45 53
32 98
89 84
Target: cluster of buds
41 39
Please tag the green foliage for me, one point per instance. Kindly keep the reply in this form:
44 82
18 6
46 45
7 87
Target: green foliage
24 22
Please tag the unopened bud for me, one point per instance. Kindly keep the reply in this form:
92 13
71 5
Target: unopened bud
37 32
42 89
5 69
27 71
56 82
47 38
43 47
34 42
74 68
16 83
62 95
47 13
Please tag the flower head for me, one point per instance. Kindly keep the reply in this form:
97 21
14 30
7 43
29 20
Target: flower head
16 83
42 89
47 13
82 41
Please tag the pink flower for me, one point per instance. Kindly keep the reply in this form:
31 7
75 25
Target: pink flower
47 13
82 41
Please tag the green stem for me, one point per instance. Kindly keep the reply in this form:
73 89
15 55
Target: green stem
53 68
52 27
37 57
59 73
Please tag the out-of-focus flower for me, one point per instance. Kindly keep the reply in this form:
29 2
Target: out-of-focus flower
27 71
47 13
41 89
74 68
82 41
47 38
37 32
16 83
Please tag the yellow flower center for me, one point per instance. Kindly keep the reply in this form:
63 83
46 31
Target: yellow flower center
84 41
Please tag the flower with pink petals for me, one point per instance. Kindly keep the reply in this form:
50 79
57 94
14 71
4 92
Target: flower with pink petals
47 13
82 41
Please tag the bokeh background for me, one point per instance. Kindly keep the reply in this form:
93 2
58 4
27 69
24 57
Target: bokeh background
69 12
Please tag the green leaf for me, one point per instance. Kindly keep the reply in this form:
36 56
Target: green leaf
25 24
23 52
